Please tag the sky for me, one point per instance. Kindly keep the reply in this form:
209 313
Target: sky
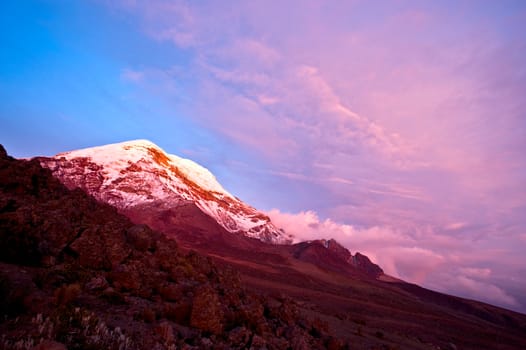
396 127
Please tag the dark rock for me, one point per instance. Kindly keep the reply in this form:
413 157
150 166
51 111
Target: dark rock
206 343
3 152
239 336
97 283
184 332
125 279
181 312
252 315
140 237
65 294
206 311
171 292
258 343
300 343
363 263
101 248
278 343
334 344
165 331
16 288
148 315
113 297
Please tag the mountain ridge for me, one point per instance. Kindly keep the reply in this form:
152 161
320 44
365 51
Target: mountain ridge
152 187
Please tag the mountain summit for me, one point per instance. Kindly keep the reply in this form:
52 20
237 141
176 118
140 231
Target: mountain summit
137 175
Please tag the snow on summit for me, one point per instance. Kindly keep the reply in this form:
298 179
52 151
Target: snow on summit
117 154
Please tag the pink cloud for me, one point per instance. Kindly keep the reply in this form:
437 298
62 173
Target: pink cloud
491 292
469 287
250 52
455 226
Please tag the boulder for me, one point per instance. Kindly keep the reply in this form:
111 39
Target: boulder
239 336
140 237
206 314
97 283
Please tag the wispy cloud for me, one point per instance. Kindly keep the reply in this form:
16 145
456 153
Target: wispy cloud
132 75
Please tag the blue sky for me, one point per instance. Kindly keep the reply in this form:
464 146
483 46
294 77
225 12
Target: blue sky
66 58
397 127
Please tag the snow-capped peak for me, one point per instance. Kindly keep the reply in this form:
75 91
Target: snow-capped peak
134 151
134 173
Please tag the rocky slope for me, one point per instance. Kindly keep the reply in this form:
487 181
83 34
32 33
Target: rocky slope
75 273
138 173
331 255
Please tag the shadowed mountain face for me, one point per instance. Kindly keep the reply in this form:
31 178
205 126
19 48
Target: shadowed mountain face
330 255
70 257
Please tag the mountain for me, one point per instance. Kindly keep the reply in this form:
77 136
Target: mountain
139 177
76 274
184 200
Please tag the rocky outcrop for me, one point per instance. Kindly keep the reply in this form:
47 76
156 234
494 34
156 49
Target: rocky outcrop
207 314
330 255
363 263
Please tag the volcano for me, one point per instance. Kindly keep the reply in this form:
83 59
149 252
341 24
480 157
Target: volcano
185 201
138 176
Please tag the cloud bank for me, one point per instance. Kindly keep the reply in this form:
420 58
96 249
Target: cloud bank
426 258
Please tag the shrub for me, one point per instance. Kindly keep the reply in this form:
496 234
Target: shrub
73 327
